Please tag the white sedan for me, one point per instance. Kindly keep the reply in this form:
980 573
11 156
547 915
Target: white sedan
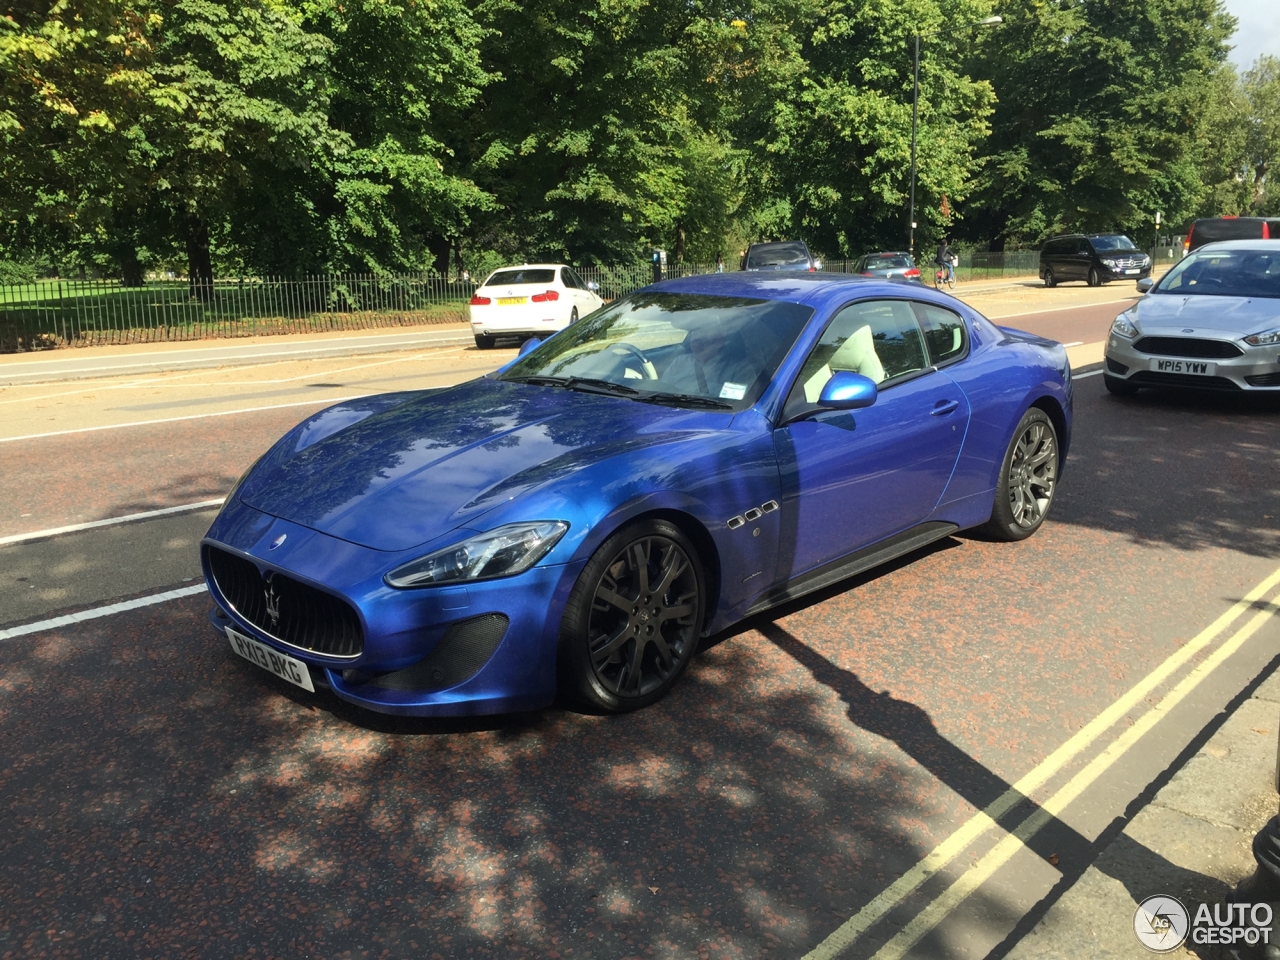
532 299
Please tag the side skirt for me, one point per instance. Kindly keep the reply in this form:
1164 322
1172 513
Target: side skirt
855 563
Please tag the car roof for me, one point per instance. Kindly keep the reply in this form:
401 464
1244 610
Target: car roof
532 266
818 289
1258 244
888 253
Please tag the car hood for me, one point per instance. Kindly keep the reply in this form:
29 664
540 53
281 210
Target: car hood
406 475
1199 314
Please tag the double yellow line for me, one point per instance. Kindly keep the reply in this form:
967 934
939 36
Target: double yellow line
969 881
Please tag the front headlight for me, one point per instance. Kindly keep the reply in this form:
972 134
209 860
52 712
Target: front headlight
1112 263
1123 328
502 552
1263 339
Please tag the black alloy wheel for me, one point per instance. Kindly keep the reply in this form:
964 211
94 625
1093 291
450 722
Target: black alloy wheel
1049 279
484 342
1028 479
633 619
1118 387
1095 278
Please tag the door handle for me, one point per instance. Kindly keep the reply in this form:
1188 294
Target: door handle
943 407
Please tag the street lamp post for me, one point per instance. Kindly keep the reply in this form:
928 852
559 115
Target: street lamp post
915 118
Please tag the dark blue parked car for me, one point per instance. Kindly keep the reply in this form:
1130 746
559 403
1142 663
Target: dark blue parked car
699 451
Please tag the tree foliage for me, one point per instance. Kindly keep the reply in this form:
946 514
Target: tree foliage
284 136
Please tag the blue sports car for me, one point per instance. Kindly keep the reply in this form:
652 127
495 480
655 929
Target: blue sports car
682 458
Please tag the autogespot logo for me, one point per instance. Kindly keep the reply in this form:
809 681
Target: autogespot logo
1161 923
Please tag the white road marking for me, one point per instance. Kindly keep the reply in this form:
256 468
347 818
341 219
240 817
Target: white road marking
1074 343
193 416
1081 376
90 525
888 899
97 612
1079 306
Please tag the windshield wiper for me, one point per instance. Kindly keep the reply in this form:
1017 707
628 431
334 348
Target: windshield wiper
685 400
592 385
540 381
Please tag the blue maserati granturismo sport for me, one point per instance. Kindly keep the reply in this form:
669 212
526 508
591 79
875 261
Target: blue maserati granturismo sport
682 458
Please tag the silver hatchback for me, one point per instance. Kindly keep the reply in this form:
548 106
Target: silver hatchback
1210 323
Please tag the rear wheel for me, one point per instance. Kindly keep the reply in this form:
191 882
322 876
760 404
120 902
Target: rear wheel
1121 388
633 619
484 342
1028 479
573 316
1049 279
1095 278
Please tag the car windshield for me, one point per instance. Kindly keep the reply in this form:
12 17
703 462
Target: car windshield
1225 273
686 349
1112 243
777 255
512 278
888 263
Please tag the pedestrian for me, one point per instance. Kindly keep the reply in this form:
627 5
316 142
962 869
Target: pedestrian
719 262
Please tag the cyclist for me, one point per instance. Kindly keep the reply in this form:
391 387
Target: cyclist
945 258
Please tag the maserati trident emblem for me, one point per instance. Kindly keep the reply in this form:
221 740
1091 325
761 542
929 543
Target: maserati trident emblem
278 540
273 603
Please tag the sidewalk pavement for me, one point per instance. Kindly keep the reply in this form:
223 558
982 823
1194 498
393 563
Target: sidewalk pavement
1192 841
76 363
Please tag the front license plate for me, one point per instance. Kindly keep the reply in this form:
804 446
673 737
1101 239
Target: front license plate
1133 271
1194 367
286 668
509 301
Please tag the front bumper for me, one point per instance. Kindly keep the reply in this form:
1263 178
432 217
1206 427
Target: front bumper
1125 273
478 648
1256 371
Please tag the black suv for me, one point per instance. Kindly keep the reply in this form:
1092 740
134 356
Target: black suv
1095 258
1213 229
781 255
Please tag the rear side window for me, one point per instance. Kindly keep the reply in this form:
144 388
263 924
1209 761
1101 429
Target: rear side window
944 333
570 281
511 278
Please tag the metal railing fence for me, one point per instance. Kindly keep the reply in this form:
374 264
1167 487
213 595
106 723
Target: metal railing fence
54 313
51 313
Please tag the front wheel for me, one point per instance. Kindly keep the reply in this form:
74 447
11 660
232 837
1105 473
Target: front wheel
951 282
1095 277
1028 479
633 618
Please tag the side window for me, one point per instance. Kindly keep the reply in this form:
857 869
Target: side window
577 279
879 339
568 277
944 333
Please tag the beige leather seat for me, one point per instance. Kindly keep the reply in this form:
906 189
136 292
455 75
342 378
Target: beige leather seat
856 354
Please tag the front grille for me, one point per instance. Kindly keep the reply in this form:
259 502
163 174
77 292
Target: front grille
1128 262
1115 367
306 618
1188 347
462 651
1263 380
1149 378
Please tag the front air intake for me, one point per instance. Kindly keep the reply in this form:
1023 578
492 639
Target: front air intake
285 609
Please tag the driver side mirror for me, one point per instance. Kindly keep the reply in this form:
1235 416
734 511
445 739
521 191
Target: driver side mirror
530 344
593 286
847 390
1145 284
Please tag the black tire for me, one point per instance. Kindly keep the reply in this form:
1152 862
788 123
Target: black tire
484 342
1121 388
617 652
1028 479
1049 279
573 316
1095 278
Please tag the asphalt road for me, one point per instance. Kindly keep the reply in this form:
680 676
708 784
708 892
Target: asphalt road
164 798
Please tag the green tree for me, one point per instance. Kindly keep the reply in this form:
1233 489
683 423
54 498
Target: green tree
1099 114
